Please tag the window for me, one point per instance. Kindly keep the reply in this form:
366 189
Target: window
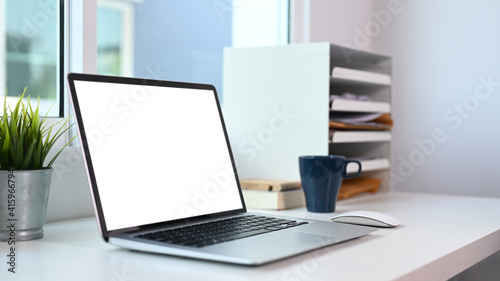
159 39
30 51
162 39
183 40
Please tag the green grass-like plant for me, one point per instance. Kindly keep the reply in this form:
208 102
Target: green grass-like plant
25 137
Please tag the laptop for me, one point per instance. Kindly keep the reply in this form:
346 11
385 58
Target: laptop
159 162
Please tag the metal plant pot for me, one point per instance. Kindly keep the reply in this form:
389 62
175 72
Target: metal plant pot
23 203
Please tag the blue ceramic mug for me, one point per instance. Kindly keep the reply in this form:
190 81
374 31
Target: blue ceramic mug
321 177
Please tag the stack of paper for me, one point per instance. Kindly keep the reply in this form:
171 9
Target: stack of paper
360 76
360 121
351 187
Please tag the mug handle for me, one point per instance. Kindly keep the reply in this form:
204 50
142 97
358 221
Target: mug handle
347 176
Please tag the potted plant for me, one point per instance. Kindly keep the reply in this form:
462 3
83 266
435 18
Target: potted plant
25 172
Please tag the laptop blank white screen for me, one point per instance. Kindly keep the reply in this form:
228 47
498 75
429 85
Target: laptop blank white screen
158 153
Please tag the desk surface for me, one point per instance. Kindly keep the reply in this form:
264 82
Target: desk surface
440 236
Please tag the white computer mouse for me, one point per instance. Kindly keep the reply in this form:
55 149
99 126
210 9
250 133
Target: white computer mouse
369 218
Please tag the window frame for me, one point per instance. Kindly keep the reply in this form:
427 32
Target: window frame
62 58
79 49
78 53
3 40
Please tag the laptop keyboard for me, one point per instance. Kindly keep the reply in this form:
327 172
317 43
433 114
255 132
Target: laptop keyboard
210 233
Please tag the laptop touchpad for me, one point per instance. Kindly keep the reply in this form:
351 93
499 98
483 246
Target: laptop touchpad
318 238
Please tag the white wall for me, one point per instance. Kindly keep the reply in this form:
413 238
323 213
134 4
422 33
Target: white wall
445 110
447 78
335 21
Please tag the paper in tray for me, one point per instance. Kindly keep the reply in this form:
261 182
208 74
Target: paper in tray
351 187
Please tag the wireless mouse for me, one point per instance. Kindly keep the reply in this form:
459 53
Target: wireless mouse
369 218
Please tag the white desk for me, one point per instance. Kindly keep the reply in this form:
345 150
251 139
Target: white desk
440 237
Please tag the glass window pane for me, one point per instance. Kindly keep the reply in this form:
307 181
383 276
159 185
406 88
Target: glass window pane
182 40
30 55
163 39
